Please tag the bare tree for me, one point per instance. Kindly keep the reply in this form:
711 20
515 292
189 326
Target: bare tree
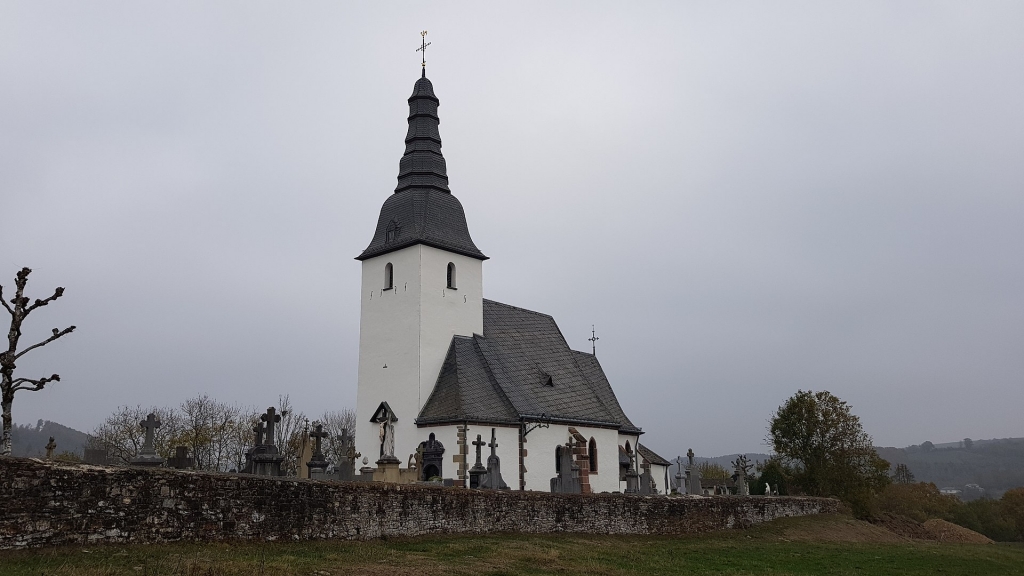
334 421
122 437
289 433
19 309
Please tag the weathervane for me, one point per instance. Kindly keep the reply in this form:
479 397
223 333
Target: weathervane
423 49
593 340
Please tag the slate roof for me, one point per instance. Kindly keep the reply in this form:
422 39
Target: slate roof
502 376
650 456
422 210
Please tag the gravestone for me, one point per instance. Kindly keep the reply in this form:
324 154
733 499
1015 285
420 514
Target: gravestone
432 458
181 459
148 456
647 484
632 476
680 478
317 464
266 459
388 466
50 447
742 488
345 470
492 479
477 471
568 479
692 475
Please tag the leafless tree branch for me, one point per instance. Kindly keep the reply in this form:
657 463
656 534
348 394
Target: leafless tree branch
20 383
40 303
4 302
56 334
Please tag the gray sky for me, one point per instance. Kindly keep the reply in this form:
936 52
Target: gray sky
745 198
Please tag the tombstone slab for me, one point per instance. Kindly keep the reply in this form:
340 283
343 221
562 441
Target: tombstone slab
492 479
147 455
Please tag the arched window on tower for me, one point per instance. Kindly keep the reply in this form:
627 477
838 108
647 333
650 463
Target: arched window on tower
592 452
389 276
451 275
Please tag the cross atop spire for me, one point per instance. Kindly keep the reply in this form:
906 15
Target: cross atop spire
593 340
423 49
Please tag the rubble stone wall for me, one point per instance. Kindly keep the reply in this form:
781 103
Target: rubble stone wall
50 504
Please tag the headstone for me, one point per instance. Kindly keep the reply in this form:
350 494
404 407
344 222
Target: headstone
742 488
265 458
50 447
181 459
477 471
647 483
632 476
345 470
680 477
492 480
148 456
692 475
431 455
318 462
568 479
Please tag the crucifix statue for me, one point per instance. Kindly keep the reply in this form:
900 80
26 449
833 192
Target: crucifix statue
271 418
50 447
423 49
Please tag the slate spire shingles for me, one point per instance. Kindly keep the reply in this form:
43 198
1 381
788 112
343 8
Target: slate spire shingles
422 210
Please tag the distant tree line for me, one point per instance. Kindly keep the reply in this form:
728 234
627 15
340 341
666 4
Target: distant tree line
217 434
1001 520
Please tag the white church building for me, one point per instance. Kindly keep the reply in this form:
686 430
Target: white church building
447 362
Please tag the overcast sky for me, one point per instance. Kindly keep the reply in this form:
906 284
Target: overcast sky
746 199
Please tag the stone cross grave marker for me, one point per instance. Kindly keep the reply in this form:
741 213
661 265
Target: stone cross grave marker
478 469
493 480
271 418
50 447
318 435
147 456
259 429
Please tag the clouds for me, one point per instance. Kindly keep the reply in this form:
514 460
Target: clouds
744 199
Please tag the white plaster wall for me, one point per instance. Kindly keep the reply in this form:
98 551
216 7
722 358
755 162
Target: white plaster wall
607 477
540 459
658 472
409 329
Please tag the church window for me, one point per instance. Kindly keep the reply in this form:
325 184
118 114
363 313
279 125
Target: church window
389 276
592 452
451 275
558 459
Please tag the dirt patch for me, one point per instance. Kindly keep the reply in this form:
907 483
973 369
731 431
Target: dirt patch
836 529
903 526
948 532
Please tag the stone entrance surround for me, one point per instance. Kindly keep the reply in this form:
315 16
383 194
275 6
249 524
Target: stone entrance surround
49 504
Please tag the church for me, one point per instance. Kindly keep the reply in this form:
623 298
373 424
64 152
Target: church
440 365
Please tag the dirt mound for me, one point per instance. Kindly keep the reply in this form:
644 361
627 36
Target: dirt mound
948 532
903 526
831 528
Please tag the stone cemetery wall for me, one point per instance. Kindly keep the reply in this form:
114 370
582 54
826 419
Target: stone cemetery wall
49 503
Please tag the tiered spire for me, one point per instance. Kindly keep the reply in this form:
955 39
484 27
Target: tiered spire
422 210
423 166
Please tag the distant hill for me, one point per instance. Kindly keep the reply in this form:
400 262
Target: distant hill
30 441
996 465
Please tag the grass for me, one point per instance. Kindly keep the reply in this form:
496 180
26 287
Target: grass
810 545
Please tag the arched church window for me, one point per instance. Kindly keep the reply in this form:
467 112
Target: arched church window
451 275
389 276
592 452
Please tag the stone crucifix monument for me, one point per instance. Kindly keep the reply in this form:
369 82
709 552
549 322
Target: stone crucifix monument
318 462
388 465
50 447
147 455
477 472
266 459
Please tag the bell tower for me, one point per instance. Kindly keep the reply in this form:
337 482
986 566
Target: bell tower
422 284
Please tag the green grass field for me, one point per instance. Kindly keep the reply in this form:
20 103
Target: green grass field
812 545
